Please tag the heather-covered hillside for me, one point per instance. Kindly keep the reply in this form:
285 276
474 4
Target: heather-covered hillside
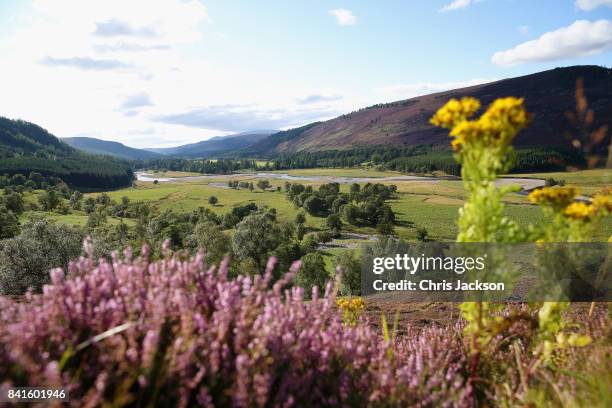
548 96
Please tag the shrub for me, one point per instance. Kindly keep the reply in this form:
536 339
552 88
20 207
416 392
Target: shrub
210 237
96 219
300 230
300 218
314 205
421 234
263 184
350 265
212 200
255 236
9 225
75 200
312 274
385 228
49 200
89 205
26 259
324 237
13 201
333 222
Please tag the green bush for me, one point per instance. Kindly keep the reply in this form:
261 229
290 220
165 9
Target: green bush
25 260
312 273
9 225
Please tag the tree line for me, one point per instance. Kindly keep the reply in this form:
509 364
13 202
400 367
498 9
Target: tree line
422 159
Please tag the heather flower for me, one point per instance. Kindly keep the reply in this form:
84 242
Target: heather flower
178 332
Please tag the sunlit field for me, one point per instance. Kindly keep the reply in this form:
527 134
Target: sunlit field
432 205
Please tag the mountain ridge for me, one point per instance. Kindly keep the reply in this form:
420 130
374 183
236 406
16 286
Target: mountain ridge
548 96
110 148
217 145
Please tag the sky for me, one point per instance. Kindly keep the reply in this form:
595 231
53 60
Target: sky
169 72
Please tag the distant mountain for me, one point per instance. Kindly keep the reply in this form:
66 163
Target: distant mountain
216 145
548 96
104 147
26 147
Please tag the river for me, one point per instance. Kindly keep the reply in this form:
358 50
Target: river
525 183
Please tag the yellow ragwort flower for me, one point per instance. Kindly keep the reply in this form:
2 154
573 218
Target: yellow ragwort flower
553 196
352 305
496 127
456 144
455 111
509 111
580 211
602 202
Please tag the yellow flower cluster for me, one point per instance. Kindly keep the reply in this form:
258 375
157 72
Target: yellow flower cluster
351 309
352 305
601 204
455 111
562 198
508 112
580 211
553 196
602 201
497 126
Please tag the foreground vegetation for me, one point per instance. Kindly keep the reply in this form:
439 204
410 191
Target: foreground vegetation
176 332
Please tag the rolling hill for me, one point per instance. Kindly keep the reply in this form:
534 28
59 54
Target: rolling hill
103 147
216 145
548 96
26 147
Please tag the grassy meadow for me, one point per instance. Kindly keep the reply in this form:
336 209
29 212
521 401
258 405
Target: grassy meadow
420 204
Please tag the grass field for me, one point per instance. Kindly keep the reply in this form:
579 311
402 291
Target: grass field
588 181
431 205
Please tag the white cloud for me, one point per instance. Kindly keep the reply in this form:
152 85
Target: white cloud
85 63
582 38
344 17
523 30
318 98
111 69
138 100
118 28
405 91
76 63
588 5
458 5
229 118
455 5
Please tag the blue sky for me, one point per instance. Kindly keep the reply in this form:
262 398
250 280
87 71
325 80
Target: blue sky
176 71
